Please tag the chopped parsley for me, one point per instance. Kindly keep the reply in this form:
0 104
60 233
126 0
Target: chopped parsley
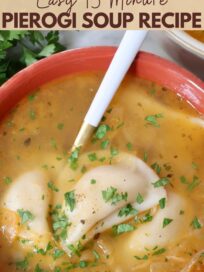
60 223
159 251
122 228
105 144
101 131
127 210
52 187
161 182
75 250
190 185
32 114
92 156
32 97
153 119
111 195
70 200
38 268
146 218
22 265
25 216
96 255
156 167
93 181
73 159
196 223
139 199
114 152
57 254
7 180
145 157
162 203
143 258
166 222
129 146
60 126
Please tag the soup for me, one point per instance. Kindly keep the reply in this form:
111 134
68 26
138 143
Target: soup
197 34
131 200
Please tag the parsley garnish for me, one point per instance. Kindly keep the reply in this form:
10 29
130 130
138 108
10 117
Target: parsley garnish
190 185
161 182
129 146
166 222
153 119
92 156
127 210
156 167
25 216
111 195
23 265
93 181
57 253
122 228
105 144
101 131
139 199
7 180
52 187
38 268
196 223
73 159
145 257
162 203
159 251
70 200
60 126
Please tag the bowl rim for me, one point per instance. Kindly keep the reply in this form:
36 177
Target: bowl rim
186 41
146 65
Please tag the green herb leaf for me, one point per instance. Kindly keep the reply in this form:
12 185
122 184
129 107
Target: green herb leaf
22 265
196 223
105 144
70 200
7 180
166 222
111 195
156 167
102 131
93 181
161 182
159 251
25 216
57 253
52 187
73 159
143 258
127 210
153 119
123 228
162 203
139 199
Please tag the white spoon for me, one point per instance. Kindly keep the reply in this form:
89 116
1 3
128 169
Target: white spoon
116 72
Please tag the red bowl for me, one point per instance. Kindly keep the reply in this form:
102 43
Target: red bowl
146 66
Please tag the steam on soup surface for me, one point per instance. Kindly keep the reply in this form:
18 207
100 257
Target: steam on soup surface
132 200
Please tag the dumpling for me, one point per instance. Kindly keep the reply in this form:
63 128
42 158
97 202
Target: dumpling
152 234
30 193
94 211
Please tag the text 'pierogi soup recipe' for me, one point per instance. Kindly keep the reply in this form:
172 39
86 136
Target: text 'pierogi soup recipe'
131 200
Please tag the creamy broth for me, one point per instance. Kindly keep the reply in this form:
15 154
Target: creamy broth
144 120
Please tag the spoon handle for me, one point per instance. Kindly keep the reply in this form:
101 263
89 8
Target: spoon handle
116 72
